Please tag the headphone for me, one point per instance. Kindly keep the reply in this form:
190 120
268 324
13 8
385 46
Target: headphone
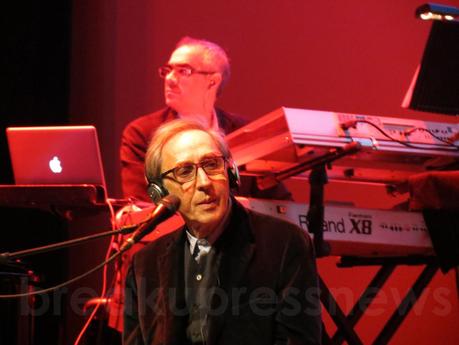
156 189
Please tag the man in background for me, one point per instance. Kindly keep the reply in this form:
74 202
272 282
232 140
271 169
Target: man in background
194 78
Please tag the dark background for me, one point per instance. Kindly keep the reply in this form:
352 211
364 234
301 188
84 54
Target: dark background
95 61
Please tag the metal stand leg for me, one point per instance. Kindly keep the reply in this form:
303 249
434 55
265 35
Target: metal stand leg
405 306
365 300
345 324
337 315
317 180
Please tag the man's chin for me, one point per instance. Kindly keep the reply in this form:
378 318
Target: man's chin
209 215
208 218
171 100
168 101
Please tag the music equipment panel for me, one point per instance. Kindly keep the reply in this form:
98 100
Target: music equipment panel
391 149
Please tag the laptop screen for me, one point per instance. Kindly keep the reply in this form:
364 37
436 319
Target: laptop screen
55 155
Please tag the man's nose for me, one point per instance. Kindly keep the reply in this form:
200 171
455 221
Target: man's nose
171 78
202 179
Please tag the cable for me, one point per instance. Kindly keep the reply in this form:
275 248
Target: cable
104 264
68 282
64 284
353 123
104 275
412 130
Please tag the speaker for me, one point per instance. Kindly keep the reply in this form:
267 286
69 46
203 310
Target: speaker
156 190
437 86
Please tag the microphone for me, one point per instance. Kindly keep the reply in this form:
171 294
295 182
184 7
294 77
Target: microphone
165 209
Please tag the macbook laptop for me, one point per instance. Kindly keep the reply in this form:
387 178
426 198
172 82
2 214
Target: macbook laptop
63 155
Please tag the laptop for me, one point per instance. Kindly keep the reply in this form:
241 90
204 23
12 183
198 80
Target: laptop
60 155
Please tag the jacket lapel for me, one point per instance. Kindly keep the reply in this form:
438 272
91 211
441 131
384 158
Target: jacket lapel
172 289
237 249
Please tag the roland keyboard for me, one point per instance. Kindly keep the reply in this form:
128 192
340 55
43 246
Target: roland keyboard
357 231
349 231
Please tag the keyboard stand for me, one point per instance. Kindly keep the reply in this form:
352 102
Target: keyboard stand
346 323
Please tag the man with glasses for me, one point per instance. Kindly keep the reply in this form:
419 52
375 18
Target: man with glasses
194 77
230 275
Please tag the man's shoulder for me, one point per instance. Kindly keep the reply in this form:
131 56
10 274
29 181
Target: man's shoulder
273 228
158 247
259 217
149 121
229 122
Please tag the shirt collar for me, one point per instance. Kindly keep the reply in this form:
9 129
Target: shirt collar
205 244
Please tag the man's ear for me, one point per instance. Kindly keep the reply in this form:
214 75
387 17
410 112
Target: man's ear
215 80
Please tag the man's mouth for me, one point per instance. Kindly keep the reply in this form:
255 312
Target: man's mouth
208 201
171 91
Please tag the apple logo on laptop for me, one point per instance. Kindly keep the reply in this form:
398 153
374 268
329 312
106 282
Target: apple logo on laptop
55 165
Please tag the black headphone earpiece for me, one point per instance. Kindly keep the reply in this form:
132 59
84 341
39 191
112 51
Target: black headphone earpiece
156 190
233 175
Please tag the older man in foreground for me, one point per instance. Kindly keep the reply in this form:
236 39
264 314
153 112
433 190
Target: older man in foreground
230 275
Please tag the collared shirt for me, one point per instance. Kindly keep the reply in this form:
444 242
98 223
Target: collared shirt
205 244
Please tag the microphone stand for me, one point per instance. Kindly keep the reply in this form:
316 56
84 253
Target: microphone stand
7 256
271 180
317 180
166 207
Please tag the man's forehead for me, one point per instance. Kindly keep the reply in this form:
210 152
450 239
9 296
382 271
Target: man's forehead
186 53
190 143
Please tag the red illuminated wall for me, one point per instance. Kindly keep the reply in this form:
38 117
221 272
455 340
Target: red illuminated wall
350 56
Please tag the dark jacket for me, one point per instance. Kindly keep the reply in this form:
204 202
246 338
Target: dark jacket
267 284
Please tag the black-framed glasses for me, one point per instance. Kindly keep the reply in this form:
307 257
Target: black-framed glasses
187 171
180 70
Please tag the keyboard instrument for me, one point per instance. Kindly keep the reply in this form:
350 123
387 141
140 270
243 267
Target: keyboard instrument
386 149
349 231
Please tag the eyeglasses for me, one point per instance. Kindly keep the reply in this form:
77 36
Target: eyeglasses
188 171
180 70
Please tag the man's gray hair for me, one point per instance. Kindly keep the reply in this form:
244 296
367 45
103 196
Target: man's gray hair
214 55
153 158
